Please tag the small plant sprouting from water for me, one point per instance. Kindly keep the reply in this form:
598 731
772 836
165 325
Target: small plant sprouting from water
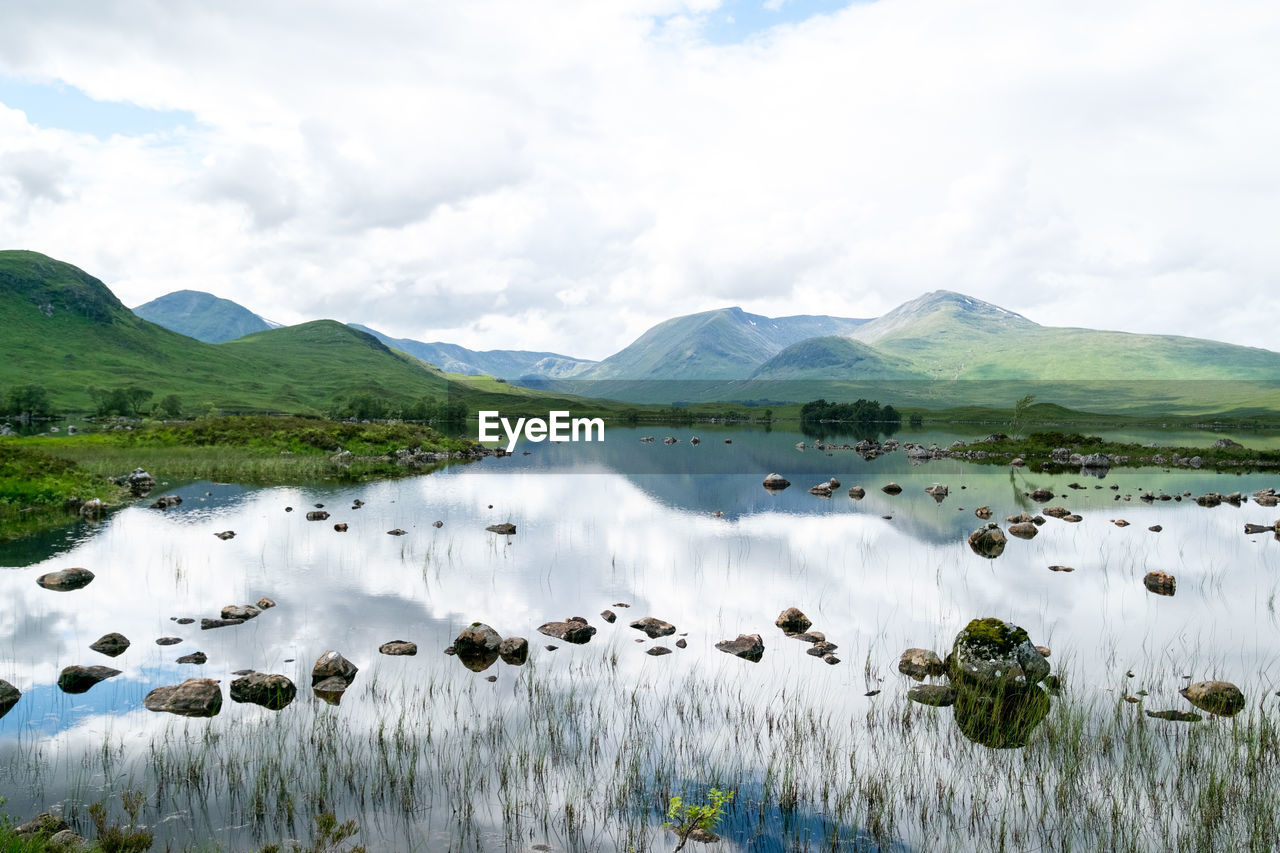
684 819
120 839
329 836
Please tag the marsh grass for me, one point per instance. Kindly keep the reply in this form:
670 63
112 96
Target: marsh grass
586 758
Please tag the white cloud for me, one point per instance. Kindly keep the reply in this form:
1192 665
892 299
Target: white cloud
559 176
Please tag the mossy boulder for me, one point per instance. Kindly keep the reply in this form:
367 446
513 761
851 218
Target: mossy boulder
993 653
1217 697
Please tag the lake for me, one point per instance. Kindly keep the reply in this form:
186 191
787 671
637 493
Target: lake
581 747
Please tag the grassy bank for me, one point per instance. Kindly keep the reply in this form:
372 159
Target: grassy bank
38 475
1036 450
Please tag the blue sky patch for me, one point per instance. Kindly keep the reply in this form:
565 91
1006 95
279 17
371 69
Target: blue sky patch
737 20
57 105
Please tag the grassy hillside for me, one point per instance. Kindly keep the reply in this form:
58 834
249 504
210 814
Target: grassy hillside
66 331
202 316
724 344
827 357
946 335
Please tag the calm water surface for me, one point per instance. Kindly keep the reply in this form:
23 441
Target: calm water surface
623 522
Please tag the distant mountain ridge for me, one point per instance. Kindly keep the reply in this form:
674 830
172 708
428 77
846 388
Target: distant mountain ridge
727 343
507 364
938 336
203 316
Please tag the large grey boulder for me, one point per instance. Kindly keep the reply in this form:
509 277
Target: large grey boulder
992 653
195 697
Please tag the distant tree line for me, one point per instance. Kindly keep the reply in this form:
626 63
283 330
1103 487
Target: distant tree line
27 401
862 411
371 407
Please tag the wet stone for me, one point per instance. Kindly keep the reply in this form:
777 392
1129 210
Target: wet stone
658 651
654 627
66 580
194 657
168 641
111 645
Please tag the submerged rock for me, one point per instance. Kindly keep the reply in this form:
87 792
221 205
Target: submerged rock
1161 583
1061 569
746 646
919 663
78 679
793 621
514 651
195 697
1041 495
44 824
936 695
1024 530
992 653
654 627
1177 716
776 482
938 492
1217 697
208 624
166 502
333 665
226 534
505 529
66 580
271 691
891 489
572 630
988 541
111 645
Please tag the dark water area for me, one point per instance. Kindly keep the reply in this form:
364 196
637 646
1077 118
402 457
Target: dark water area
579 748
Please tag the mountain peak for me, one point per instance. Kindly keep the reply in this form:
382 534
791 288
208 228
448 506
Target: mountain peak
202 316
921 315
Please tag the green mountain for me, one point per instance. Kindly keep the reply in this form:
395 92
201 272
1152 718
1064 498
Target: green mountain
202 316
66 331
714 345
504 363
945 335
834 357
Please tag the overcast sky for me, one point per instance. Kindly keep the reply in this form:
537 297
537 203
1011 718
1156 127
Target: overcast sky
561 175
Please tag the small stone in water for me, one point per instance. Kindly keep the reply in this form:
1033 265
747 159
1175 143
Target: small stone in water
491 678
872 693
658 650
185 620
682 644
168 641
551 648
